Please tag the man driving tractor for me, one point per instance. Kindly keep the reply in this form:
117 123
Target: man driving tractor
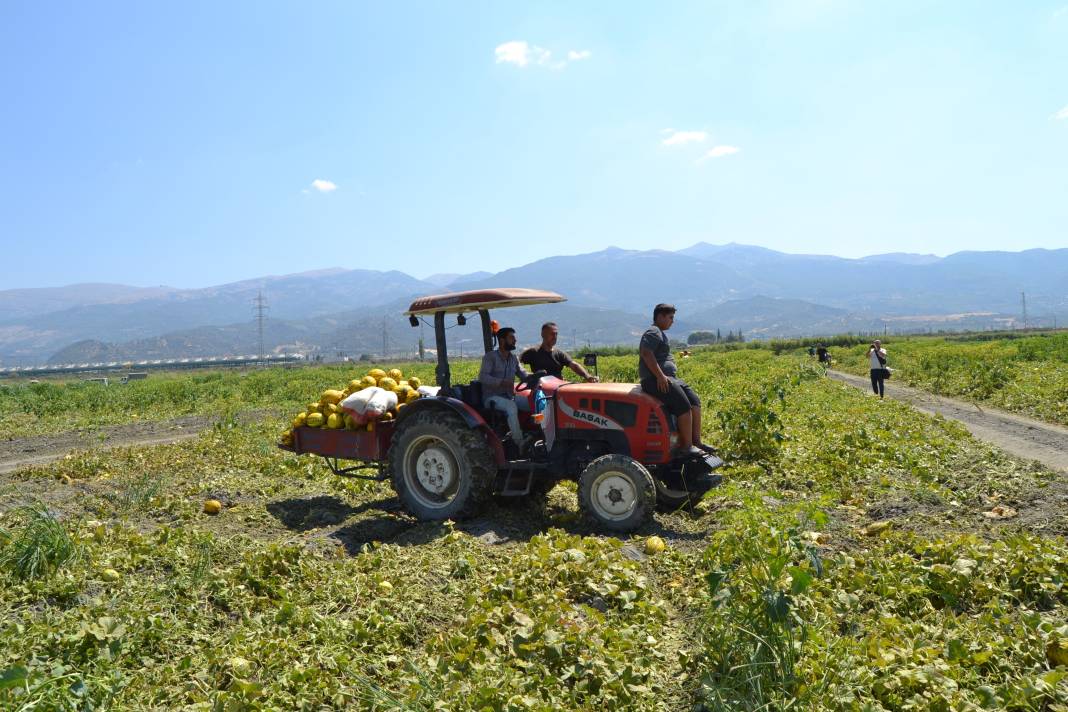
657 372
497 376
546 357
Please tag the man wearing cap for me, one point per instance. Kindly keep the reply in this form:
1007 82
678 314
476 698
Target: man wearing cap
497 376
657 372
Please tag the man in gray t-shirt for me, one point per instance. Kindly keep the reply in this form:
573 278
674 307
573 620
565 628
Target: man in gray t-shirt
497 376
657 372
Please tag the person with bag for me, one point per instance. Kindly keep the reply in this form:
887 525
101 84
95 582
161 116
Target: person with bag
877 363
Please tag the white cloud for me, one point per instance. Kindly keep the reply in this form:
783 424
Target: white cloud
521 53
1062 114
681 138
719 152
518 53
1060 12
323 186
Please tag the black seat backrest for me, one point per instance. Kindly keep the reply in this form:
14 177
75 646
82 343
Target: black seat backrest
470 393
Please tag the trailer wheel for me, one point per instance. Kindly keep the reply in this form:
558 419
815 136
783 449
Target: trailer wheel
442 468
617 493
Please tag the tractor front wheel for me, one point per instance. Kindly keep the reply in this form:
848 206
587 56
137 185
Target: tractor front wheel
442 469
617 493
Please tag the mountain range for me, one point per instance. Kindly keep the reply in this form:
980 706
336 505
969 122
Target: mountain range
764 293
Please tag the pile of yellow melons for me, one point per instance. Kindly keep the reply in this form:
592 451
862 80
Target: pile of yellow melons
326 413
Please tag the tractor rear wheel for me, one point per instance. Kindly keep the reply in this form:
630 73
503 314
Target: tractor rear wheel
617 493
442 468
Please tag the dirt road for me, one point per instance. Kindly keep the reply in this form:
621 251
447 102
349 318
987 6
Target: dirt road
42 449
1023 437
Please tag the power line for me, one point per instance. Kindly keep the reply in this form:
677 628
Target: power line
260 309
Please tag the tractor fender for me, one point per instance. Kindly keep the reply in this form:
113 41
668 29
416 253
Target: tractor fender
471 417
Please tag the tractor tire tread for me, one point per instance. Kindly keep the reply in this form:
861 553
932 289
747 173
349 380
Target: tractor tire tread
475 450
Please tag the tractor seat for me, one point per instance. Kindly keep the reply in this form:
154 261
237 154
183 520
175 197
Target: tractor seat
470 393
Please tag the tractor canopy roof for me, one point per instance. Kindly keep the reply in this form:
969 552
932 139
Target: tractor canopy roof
476 299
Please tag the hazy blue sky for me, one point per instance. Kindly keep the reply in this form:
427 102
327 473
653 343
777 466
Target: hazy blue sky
193 143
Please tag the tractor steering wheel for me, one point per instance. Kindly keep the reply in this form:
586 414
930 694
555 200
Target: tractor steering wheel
530 381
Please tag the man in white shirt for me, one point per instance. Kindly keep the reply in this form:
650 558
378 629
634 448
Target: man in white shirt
877 363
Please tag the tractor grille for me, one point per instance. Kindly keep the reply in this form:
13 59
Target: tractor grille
654 427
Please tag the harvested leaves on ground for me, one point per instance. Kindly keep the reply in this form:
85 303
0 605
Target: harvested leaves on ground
848 563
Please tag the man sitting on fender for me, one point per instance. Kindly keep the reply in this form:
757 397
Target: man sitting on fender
550 359
497 376
657 372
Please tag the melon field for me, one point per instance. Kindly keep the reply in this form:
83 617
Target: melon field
859 556
1028 375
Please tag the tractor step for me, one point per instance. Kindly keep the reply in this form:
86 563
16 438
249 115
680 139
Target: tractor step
523 471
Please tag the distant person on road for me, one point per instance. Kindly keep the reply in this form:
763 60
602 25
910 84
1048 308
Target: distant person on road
497 376
657 372
546 357
877 362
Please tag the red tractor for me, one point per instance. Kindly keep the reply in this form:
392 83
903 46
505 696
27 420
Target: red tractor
446 455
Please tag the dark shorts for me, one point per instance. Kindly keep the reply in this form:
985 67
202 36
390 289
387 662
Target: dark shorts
679 397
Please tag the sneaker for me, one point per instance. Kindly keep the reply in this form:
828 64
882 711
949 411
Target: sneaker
681 452
528 443
707 449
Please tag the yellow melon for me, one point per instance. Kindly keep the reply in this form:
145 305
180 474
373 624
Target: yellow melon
299 420
395 374
388 383
334 421
414 382
314 420
654 545
376 373
368 382
330 396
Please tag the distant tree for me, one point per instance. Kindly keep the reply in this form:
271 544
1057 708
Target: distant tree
422 349
719 336
365 357
702 337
